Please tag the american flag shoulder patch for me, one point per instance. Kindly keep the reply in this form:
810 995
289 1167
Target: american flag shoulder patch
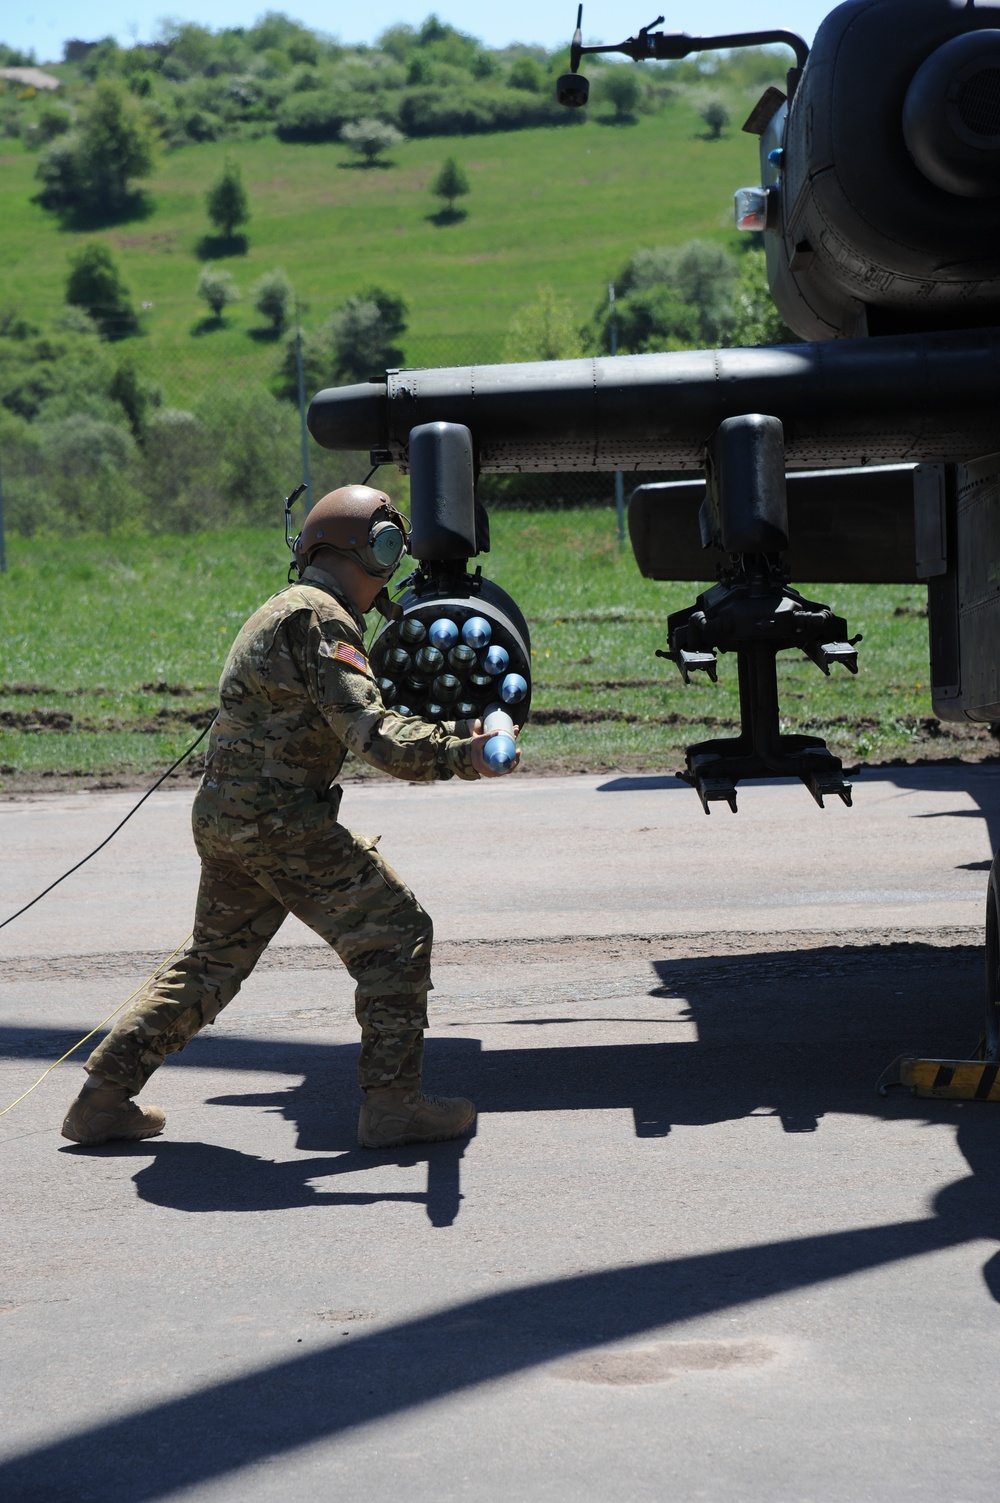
343 652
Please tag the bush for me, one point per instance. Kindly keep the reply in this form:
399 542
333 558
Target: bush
313 117
455 112
716 117
256 440
89 464
132 395
543 330
52 123
370 138
362 334
95 285
27 501
34 369
672 297
181 473
622 89
527 75
227 202
357 341
756 319
651 319
217 288
274 299
202 125
705 275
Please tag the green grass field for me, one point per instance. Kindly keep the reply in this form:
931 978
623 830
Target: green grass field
111 649
563 206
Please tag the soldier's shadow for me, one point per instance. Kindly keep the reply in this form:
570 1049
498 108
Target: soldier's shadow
203 1177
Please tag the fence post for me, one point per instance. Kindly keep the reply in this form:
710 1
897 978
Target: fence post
619 482
3 533
304 431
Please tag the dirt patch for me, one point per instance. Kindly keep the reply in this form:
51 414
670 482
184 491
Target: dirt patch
717 961
176 691
158 241
61 720
664 1361
36 720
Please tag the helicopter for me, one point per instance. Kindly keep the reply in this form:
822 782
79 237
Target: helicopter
869 452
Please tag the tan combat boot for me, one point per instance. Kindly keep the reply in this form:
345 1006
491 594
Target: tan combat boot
395 1115
102 1112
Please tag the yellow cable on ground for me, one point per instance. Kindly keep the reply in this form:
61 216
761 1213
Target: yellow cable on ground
152 977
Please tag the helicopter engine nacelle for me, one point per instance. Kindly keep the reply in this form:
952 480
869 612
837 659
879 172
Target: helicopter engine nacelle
883 172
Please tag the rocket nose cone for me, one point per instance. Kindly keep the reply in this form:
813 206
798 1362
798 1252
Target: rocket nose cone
349 417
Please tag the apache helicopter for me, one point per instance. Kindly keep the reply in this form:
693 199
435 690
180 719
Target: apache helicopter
870 452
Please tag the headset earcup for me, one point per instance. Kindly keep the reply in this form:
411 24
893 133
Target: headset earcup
387 544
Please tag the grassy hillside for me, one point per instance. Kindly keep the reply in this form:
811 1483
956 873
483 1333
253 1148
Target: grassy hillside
559 207
150 624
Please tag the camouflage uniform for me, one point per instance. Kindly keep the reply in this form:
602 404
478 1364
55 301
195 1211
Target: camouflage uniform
295 695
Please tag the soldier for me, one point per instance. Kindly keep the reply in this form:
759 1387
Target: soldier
295 695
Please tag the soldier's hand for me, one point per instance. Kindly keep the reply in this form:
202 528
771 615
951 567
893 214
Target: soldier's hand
479 740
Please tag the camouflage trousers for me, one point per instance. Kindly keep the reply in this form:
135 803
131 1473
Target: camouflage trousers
293 859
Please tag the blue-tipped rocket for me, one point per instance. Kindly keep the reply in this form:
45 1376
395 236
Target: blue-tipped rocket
443 634
500 753
513 689
476 632
496 661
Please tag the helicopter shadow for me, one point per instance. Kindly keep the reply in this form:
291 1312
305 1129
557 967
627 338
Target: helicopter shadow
796 1034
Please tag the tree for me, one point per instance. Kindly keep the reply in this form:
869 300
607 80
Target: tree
91 169
363 334
115 142
716 117
274 299
95 284
227 202
368 138
450 183
217 288
621 88
543 330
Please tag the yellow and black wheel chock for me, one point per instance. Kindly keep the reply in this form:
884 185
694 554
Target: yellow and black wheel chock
952 1079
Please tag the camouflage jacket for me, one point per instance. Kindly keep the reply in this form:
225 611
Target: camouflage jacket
297 694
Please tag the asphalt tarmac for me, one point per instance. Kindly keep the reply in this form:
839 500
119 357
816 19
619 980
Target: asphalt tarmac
690 1252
